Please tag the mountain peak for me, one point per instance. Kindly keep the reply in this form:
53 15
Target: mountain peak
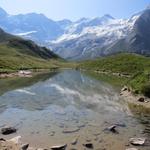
108 16
148 6
82 20
3 13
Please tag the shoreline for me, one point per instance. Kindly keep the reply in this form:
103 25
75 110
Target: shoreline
135 100
126 93
25 73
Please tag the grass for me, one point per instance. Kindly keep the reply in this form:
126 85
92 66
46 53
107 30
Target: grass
11 59
113 80
19 54
136 66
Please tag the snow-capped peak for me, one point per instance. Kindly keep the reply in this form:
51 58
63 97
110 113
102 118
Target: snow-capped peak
105 26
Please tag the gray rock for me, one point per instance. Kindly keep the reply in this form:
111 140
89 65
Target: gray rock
113 128
75 141
71 130
24 146
8 130
137 141
125 88
59 147
88 145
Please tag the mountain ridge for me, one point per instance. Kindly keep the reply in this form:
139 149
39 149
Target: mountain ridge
17 53
82 39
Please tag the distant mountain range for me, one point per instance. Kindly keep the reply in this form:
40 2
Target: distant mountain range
85 38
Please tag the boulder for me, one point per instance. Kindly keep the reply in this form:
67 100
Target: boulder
8 130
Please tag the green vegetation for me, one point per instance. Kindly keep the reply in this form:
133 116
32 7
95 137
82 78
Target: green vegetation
135 66
18 56
17 53
113 80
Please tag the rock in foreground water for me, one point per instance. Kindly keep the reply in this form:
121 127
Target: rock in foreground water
59 147
89 145
8 130
137 141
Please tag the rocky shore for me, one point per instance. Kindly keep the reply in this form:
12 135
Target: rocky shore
138 100
21 73
17 144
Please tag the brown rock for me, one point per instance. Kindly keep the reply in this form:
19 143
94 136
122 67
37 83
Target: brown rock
141 99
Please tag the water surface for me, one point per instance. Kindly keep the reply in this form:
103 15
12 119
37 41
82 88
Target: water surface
57 108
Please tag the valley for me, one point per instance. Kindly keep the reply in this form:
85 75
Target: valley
74 85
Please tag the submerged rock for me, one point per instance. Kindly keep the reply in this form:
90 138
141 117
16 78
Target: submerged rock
75 141
8 130
59 147
113 128
137 141
89 145
71 130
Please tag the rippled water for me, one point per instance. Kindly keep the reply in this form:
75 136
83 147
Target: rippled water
57 108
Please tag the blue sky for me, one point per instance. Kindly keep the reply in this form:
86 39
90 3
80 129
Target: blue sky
75 9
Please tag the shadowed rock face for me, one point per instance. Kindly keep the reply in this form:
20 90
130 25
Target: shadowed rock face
27 47
137 41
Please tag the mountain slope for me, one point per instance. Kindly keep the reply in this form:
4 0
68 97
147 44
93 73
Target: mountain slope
85 38
111 37
138 40
93 40
17 53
